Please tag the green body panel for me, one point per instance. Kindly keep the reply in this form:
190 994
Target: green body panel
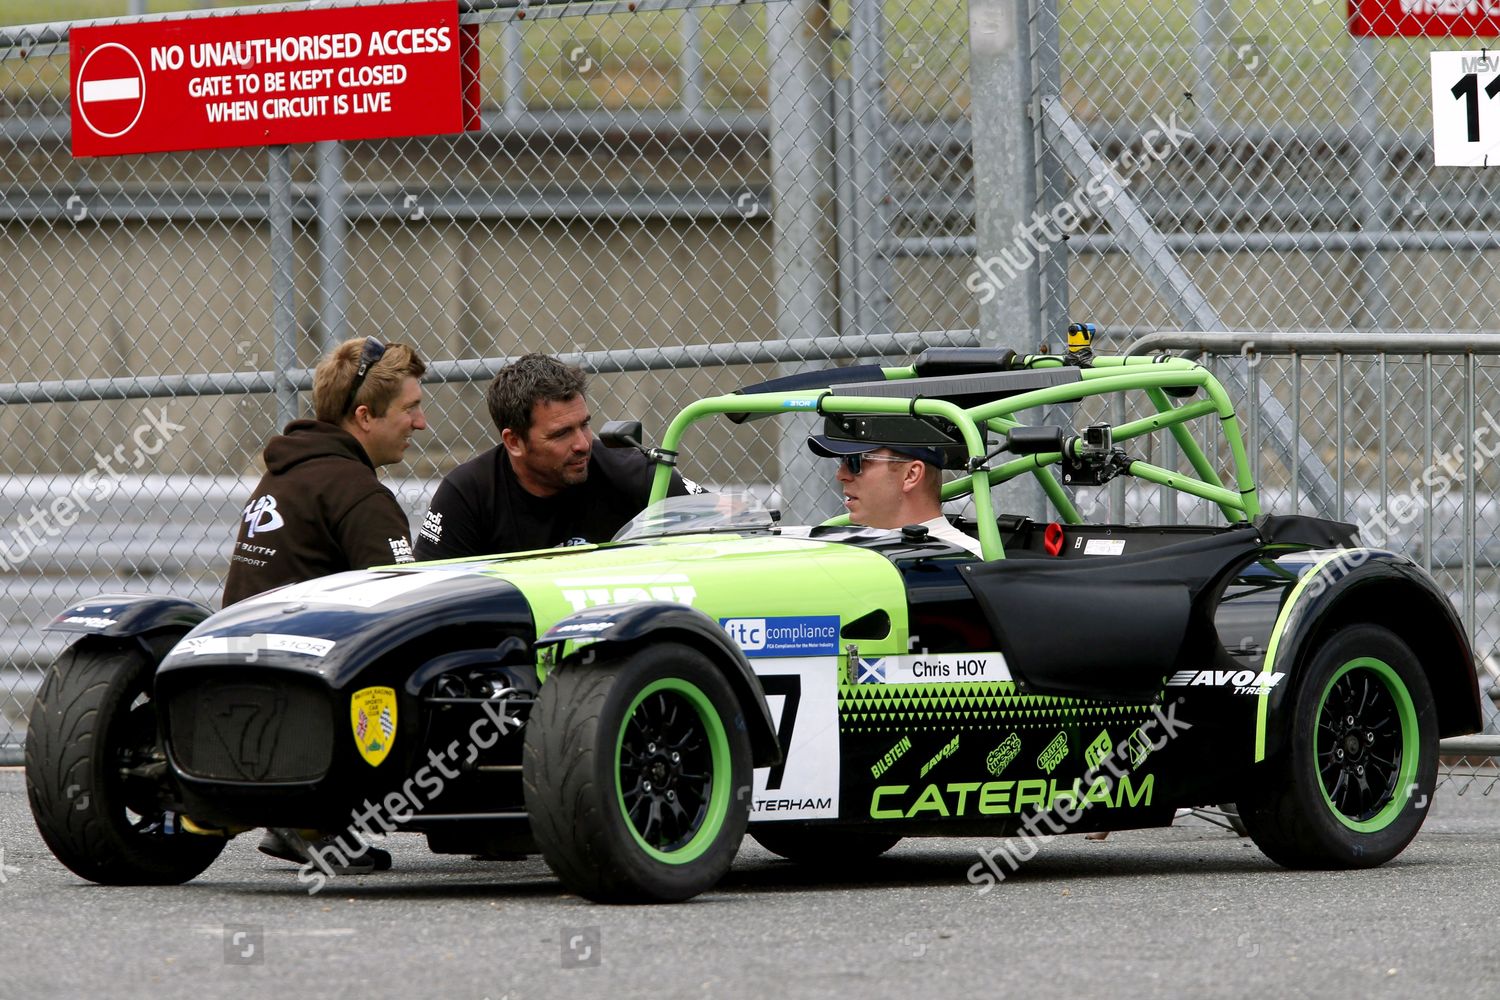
724 576
906 708
1316 568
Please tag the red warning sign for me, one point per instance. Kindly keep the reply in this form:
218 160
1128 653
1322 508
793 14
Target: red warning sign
1430 18
268 79
111 91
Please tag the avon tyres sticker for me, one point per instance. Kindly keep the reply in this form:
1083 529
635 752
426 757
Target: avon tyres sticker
816 635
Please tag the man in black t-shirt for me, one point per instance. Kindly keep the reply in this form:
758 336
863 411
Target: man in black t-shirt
545 484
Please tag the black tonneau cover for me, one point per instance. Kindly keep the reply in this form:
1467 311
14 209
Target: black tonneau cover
1107 628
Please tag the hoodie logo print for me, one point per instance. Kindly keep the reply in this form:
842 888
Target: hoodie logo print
261 515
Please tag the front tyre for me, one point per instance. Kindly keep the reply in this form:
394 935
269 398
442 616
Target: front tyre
1354 782
637 775
94 765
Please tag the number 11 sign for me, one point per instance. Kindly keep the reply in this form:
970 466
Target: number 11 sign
1466 109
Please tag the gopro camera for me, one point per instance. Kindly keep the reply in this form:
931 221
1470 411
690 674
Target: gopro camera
1096 442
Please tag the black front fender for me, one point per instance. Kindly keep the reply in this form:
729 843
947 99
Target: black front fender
124 616
632 624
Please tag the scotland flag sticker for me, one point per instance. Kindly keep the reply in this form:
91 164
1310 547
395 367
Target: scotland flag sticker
814 635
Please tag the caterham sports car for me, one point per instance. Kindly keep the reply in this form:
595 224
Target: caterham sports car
631 710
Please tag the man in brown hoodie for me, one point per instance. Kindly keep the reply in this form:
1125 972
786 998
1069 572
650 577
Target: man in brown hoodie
320 508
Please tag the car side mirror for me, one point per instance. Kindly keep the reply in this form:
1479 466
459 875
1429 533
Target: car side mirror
1034 440
621 434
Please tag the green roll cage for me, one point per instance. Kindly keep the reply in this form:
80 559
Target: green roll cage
1152 375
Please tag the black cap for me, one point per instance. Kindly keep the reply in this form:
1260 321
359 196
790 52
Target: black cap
826 447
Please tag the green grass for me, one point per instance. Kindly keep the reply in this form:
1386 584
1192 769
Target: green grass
40 11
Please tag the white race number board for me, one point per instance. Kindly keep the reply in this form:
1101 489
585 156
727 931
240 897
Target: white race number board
802 693
1466 109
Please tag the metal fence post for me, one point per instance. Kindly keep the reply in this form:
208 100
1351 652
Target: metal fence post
1373 305
871 166
846 195
1154 256
690 96
802 200
333 253
1005 193
283 281
1206 34
1054 271
514 70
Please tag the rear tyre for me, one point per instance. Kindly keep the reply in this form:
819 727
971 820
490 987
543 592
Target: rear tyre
94 764
824 846
1353 784
637 775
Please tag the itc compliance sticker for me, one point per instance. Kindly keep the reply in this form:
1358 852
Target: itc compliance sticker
813 635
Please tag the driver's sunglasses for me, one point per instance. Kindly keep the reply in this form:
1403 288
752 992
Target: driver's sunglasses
855 463
373 351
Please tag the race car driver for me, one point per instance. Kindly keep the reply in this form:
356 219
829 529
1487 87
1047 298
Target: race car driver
892 486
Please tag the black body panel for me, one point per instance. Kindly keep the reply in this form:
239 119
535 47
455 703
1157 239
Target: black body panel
963 361
259 735
1129 615
362 635
1306 532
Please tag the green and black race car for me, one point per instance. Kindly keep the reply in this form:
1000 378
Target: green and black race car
629 710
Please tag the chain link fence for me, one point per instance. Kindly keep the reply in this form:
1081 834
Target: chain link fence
682 195
687 195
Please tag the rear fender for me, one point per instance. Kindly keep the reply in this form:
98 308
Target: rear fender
624 625
1347 586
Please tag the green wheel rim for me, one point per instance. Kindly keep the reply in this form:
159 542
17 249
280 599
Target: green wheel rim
1366 745
672 771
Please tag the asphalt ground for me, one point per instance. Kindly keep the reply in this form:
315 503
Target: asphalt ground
1190 911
